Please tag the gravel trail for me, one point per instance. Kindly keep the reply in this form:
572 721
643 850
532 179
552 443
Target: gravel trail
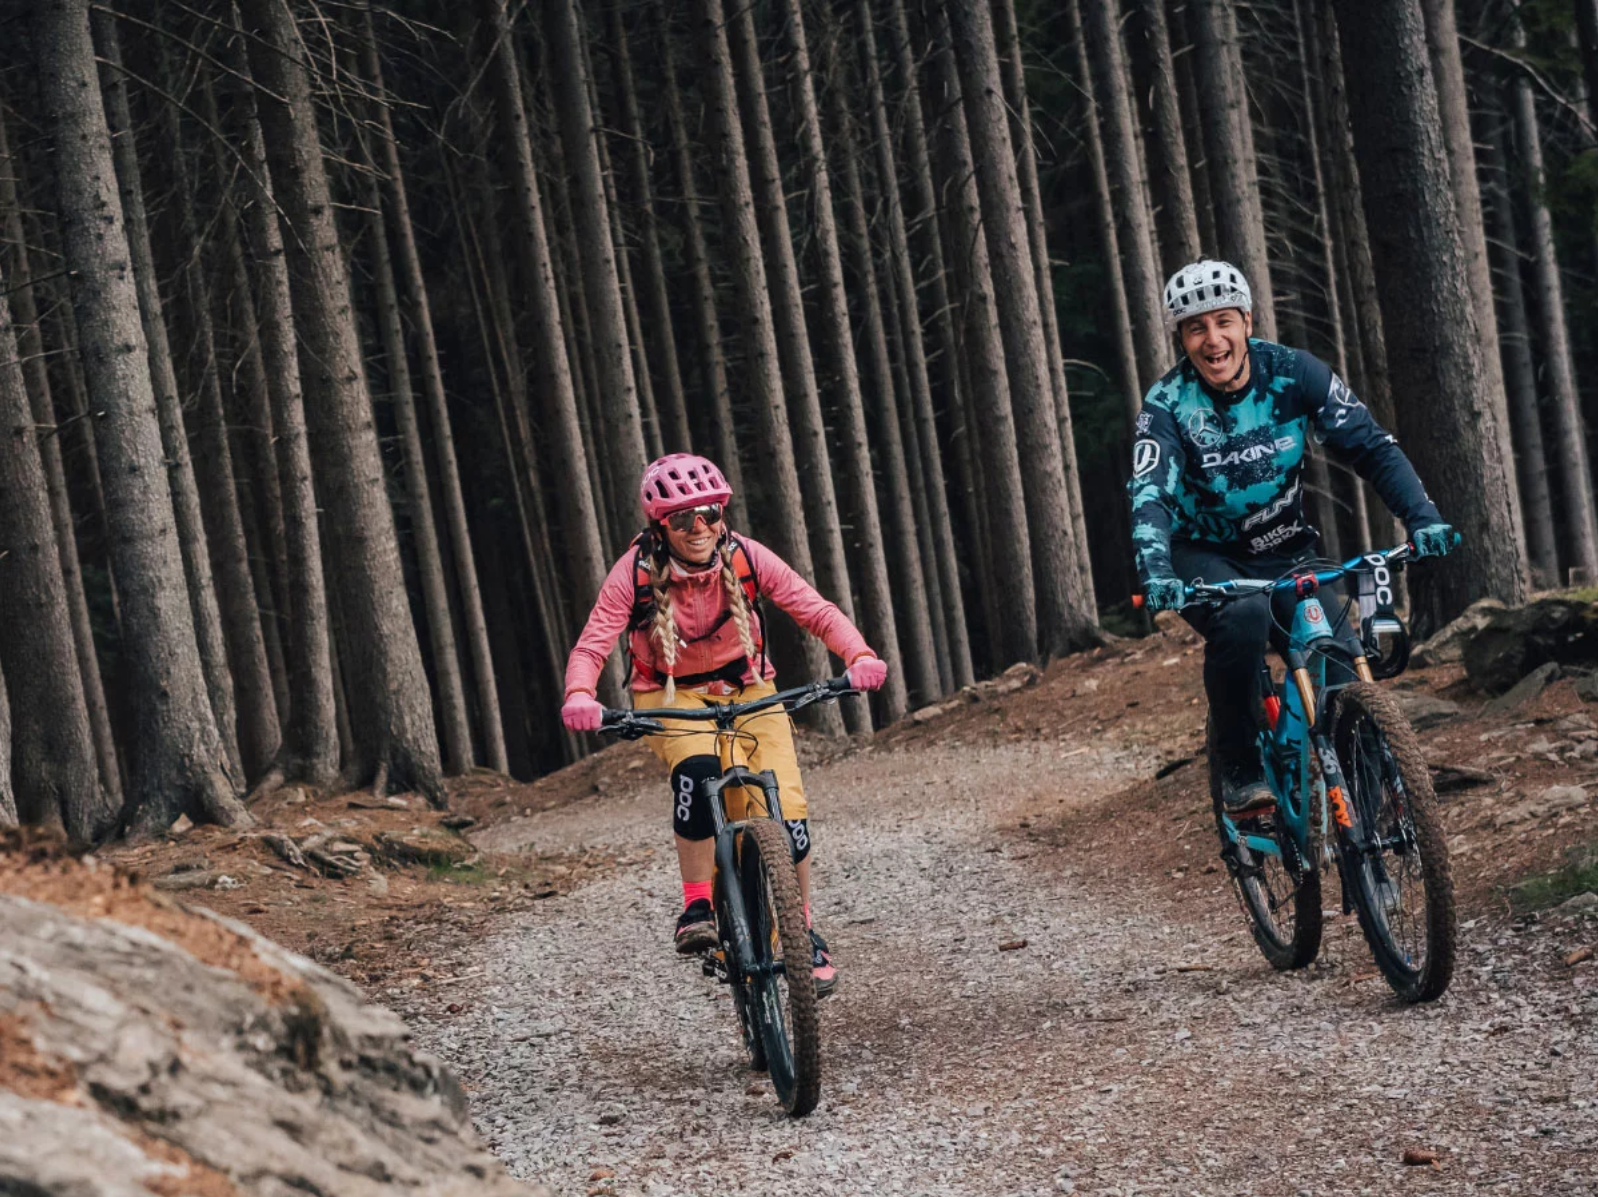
1137 1044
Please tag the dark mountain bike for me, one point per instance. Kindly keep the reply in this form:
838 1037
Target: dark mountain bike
1351 785
765 951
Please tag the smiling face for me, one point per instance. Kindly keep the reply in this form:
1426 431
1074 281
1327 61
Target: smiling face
696 546
1217 345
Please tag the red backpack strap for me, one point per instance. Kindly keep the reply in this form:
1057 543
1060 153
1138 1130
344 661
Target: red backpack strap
643 592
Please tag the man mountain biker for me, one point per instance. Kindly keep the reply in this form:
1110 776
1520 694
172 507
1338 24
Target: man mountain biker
687 593
1217 491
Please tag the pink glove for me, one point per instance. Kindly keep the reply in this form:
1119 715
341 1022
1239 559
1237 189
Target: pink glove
868 673
582 713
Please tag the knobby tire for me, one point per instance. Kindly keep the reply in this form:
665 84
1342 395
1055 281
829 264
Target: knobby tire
771 895
1367 721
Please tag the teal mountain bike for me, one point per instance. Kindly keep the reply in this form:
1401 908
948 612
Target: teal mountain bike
1352 788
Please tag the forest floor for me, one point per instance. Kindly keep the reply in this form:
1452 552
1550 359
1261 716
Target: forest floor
1136 1044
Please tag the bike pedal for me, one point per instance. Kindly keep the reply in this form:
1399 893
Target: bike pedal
714 964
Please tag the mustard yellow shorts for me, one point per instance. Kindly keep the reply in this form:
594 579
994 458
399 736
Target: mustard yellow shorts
765 741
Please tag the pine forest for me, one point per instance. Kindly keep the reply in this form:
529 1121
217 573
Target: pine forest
335 335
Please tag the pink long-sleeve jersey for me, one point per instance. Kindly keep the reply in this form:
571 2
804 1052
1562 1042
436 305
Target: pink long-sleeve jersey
699 601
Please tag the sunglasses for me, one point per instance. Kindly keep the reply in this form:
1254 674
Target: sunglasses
684 521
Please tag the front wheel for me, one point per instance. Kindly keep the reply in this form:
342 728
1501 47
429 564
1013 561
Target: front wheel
781 991
1391 849
1278 888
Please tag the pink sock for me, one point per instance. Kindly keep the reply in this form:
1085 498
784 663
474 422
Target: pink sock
692 891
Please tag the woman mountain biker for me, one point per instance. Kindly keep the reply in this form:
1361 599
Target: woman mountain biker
686 593
1217 490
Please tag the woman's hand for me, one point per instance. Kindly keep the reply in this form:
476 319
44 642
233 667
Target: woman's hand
582 713
868 673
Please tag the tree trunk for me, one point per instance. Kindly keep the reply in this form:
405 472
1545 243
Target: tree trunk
870 560
181 766
391 714
1193 133
742 241
1008 47
674 410
575 500
169 406
457 724
421 314
1067 619
617 398
1229 143
1013 626
707 327
8 798
1520 371
49 748
311 742
1587 40
948 605
1176 221
1575 472
36 375
1457 439
260 735
809 433
1101 21
914 616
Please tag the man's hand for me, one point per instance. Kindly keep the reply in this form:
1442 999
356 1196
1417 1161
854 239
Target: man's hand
1165 594
1434 540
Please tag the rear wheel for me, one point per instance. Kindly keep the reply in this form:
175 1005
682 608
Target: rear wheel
1278 890
1394 859
781 992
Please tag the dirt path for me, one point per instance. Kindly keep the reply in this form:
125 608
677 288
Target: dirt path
1086 1062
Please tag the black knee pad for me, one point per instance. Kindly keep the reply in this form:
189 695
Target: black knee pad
690 809
799 836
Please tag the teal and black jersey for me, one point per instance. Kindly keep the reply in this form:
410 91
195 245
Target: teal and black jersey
1226 471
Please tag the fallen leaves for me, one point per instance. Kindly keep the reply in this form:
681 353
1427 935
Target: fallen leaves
1421 1157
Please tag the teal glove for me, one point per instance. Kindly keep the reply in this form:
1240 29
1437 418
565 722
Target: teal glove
1434 540
1165 594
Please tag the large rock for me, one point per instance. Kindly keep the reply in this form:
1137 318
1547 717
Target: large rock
148 1049
1523 691
1516 640
1447 647
1424 711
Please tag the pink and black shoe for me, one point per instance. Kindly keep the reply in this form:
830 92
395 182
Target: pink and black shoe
821 967
696 928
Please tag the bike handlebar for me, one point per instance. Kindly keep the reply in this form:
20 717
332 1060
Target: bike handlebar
1213 594
630 725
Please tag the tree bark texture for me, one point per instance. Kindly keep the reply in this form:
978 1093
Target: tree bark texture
8 797
575 499
617 398
449 474
1520 370
674 404
1140 271
1013 628
181 766
1458 439
1570 433
707 326
169 405
36 376
948 603
1229 145
1066 614
311 745
51 766
789 531
809 433
459 755
1587 39
869 556
390 710
1170 183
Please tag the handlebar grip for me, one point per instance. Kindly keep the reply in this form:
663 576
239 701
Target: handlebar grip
838 685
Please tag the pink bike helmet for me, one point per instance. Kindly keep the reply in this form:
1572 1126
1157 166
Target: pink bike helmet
680 480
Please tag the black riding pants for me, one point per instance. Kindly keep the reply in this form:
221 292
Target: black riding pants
1237 635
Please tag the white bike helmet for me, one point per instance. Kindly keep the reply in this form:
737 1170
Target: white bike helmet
1205 286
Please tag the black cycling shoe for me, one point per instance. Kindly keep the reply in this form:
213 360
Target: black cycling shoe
1244 793
696 928
821 966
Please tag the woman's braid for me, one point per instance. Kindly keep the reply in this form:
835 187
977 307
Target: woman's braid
664 629
739 602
